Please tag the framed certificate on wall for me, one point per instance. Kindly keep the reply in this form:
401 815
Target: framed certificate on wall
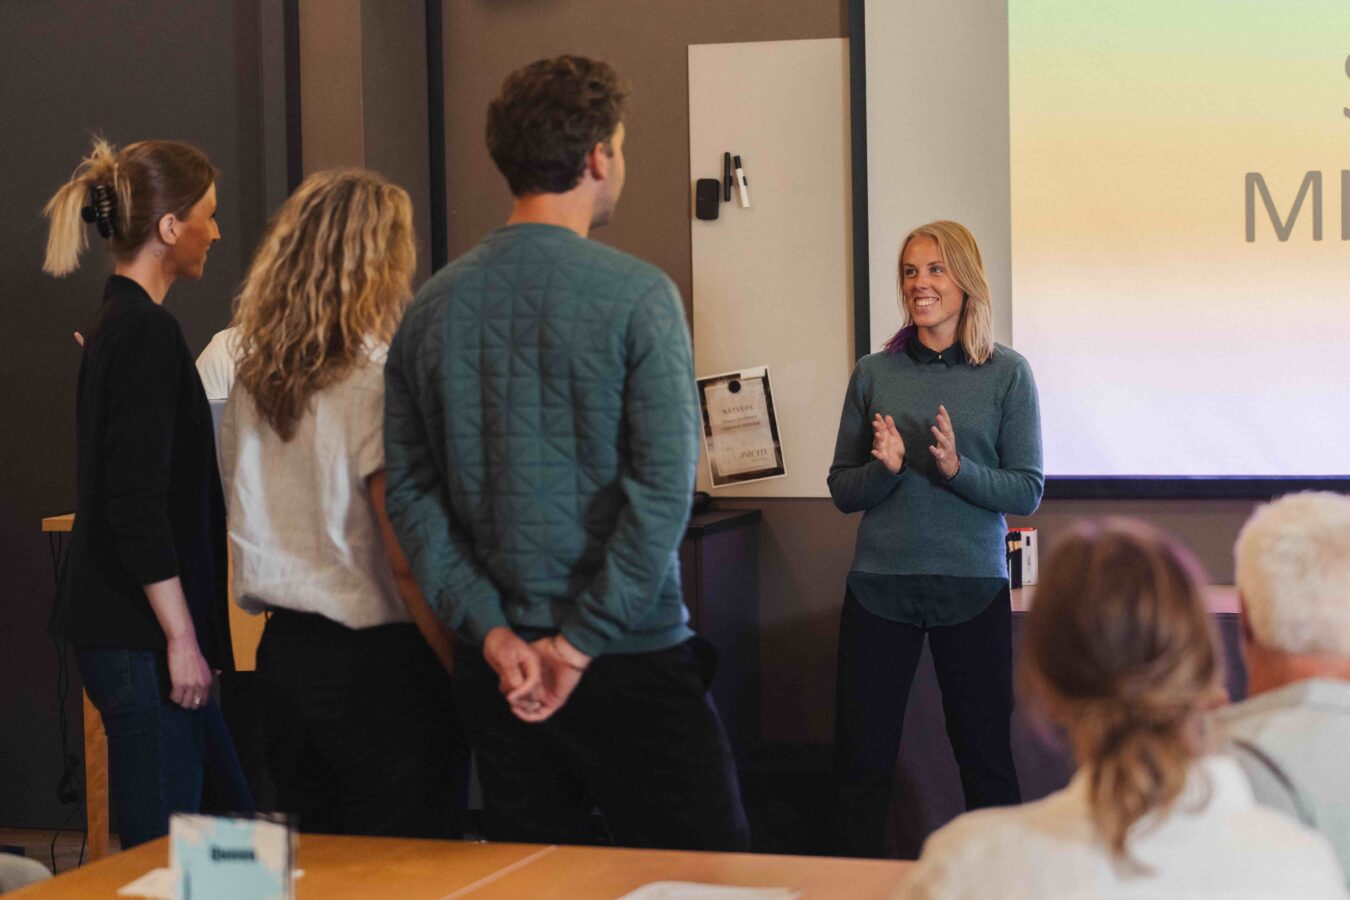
740 430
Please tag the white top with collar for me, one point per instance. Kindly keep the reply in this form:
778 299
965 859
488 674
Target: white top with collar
1222 847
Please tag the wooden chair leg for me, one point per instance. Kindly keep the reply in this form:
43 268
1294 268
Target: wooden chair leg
95 782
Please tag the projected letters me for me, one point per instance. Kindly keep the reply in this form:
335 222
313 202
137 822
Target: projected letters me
1312 185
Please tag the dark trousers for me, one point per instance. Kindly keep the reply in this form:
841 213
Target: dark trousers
360 728
158 752
639 738
877 661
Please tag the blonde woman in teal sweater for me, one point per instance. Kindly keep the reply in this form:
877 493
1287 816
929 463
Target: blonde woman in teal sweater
939 438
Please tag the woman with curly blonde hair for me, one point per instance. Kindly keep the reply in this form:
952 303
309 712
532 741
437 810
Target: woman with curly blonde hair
1120 651
360 731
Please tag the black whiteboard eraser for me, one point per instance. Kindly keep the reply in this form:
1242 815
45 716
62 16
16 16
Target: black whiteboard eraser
707 196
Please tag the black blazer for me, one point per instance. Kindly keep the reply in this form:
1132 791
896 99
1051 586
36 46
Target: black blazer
149 503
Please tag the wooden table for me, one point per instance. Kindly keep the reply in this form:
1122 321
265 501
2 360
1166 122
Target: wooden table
354 867
578 872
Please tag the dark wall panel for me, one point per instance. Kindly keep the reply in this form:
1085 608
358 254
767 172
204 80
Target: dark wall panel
185 69
806 549
647 42
363 85
394 76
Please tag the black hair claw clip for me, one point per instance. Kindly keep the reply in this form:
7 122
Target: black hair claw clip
102 202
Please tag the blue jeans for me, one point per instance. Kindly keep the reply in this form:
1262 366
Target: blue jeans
157 751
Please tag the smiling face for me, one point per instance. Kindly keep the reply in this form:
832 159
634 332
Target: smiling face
932 298
194 236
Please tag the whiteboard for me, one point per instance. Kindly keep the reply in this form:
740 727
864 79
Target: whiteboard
773 283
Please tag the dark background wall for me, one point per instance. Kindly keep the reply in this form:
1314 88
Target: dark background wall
212 73
647 42
69 69
363 87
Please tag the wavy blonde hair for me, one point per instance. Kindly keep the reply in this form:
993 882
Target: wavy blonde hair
333 272
957 247
1119 645
146 181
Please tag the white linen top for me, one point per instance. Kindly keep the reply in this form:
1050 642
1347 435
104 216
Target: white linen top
1222 847
216 364
303 527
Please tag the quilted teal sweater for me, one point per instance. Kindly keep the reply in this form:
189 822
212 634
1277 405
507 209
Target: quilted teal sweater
541 434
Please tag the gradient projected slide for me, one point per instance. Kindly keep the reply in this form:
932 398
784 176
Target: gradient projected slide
1180 177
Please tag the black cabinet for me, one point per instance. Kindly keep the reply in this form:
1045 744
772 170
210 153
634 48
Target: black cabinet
719 573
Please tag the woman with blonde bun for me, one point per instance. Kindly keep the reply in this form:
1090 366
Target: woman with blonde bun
360 728
1120 651
142 594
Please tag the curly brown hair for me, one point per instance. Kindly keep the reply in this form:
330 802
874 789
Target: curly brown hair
547 118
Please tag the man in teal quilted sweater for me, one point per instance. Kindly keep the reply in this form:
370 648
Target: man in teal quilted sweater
541 434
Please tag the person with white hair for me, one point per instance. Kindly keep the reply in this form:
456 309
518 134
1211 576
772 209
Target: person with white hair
1291 735
1119 651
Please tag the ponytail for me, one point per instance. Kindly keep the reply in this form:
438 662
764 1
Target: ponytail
1138 764
94 192
125 195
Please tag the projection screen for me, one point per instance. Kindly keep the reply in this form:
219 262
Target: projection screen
1162 194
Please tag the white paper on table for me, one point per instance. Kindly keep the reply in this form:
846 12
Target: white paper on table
689 890
157 884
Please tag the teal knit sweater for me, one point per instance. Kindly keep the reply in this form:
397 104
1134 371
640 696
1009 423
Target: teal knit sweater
914 523
541 435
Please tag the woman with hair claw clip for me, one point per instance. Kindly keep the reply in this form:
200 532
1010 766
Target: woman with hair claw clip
142 595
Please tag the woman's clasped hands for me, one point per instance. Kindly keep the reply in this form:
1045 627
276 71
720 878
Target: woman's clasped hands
888 446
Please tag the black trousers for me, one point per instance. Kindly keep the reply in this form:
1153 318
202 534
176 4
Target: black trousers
360 728
639 738
877 661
